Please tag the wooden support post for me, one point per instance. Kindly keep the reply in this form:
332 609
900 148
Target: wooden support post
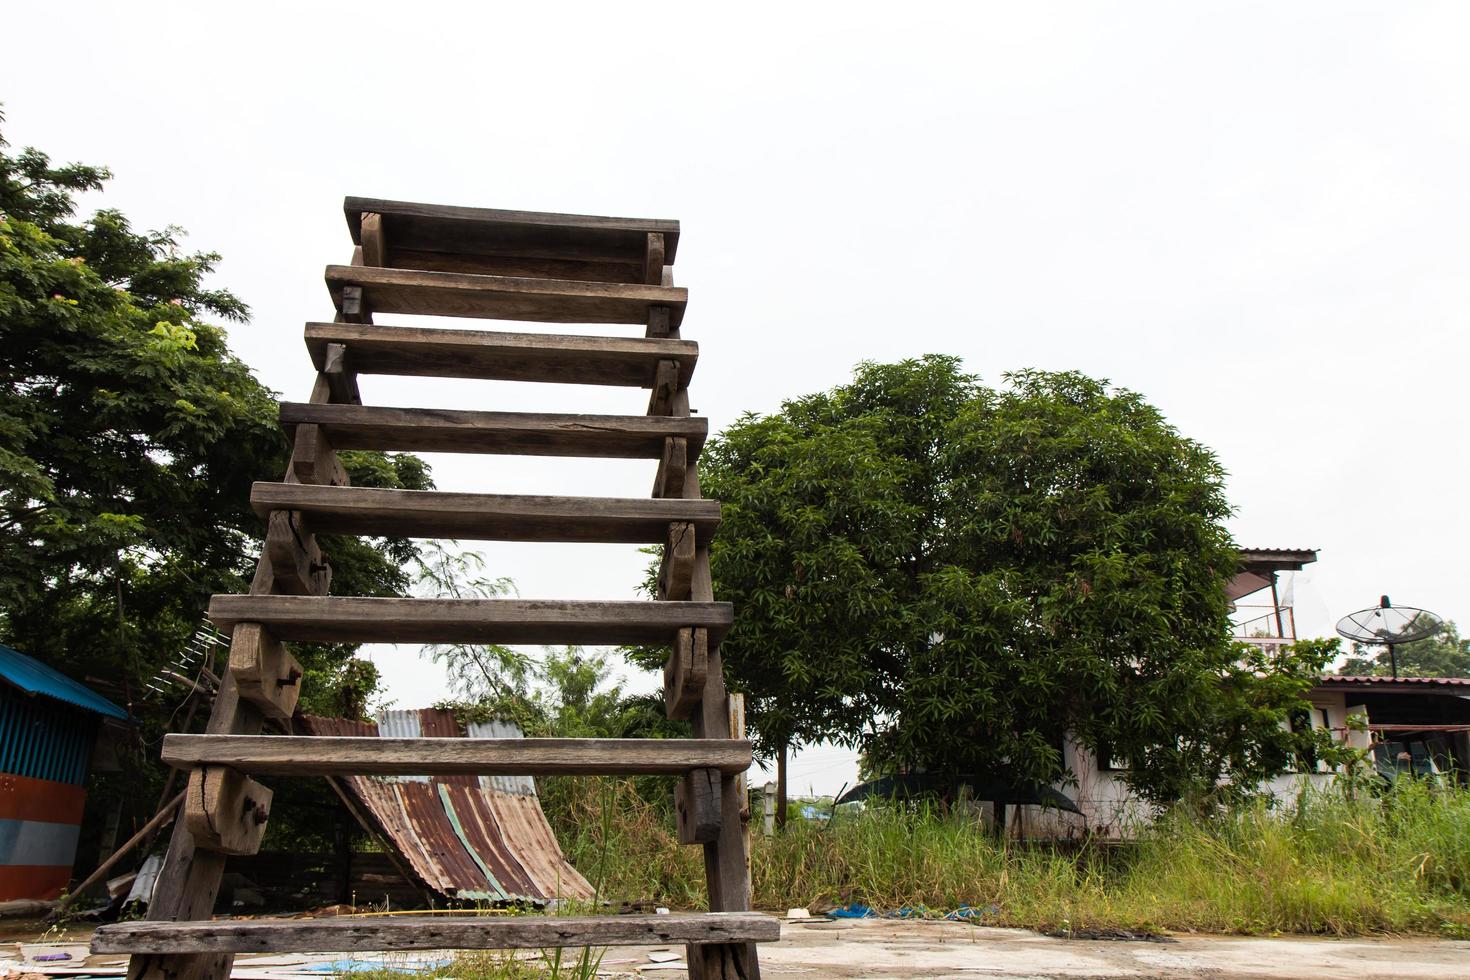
697 806
653 259
684 673
669 480
374 244
665 383
676 570
341 379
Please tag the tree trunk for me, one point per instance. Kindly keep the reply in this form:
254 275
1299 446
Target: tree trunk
781 789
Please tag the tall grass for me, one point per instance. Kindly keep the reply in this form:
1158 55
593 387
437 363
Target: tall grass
1325 864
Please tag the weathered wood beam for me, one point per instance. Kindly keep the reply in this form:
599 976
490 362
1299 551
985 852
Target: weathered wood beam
265 672
308 755
513 433
350 933
491 517
494 355
226 810
360 619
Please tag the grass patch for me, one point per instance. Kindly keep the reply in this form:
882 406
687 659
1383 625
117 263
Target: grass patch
1325 864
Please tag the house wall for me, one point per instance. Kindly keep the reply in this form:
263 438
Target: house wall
1109 809
44 748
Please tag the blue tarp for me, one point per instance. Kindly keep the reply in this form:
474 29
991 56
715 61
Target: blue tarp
34 677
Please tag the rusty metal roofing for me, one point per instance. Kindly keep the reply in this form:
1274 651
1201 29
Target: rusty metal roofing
481 838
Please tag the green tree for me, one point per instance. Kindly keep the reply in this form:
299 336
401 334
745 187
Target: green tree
1445 654
955 577
129 437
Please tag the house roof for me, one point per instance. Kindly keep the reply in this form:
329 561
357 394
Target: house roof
1276 559
1425 685
34 677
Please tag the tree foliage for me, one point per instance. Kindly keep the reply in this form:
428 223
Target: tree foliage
954 577
1445 654
129 437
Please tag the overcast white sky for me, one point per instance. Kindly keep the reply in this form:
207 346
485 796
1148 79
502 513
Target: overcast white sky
1253 213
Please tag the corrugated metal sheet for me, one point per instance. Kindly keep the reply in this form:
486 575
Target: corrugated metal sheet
520 785
34 677
465 837
42 739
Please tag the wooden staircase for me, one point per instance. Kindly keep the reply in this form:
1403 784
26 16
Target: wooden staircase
506 265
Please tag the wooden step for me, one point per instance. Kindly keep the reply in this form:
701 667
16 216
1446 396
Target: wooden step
530 243
484 516
311 755
495 356
353 619
510 433
504 297
346 933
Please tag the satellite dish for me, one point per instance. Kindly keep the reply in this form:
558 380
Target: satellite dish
1388 625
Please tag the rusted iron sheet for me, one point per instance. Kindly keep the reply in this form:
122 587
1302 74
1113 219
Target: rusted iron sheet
482 836
434 832
441 723
520 820
466 837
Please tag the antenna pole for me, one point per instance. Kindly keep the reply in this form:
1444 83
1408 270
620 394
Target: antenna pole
1393 661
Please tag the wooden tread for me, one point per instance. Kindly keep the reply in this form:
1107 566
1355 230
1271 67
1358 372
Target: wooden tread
495 356
354 619
511 433
348 933
504 297
312 755
484 516
440 227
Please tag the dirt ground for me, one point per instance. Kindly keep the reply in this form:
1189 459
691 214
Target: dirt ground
878 949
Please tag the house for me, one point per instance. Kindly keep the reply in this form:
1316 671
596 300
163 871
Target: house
1418 725
48 727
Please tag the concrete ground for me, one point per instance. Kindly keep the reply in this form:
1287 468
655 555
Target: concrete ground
876 948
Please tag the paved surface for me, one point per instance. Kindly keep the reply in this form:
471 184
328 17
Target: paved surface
879 949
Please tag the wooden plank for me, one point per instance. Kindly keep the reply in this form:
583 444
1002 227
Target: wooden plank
501 356
296 560
511 433
226 810
672 466
491 517
264 671
697 806
676 570
531 233
520 266
352 619
309 755
341 380
347 933
500 297
684 673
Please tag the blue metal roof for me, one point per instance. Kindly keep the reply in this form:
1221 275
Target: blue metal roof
34 677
